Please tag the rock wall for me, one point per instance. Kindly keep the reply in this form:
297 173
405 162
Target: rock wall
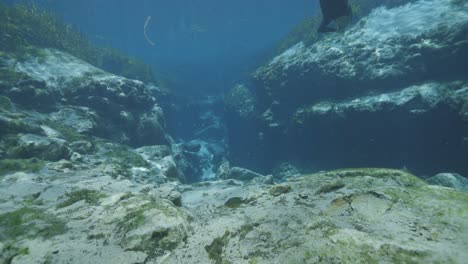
389 91
86 98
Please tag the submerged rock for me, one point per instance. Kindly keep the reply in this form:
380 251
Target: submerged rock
377 215
279 189
242 174
341 100
369 56
169 168
223 170
170 193
451 180
26 146
80 119
86 99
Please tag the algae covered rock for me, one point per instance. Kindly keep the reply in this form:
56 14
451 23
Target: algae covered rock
82 120
152 227
451 180
87 99
365 89
279 189
35 146
170 193
361 215
242 174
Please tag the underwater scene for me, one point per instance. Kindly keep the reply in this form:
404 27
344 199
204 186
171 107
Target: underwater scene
233 132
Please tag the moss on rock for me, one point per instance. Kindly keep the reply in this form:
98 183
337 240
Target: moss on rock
215 249
89 196
141 231
27 27
400 177
29 222
17 165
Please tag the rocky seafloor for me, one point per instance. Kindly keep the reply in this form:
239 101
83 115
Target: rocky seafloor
78 215
90 174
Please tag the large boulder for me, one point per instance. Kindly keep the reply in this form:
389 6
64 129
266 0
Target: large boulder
388 49
86 98
451 180
395 80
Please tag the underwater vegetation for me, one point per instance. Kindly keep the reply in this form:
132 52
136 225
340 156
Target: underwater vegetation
89 196
25 165
24 28
29 222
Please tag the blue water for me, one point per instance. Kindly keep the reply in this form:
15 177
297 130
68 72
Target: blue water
204 46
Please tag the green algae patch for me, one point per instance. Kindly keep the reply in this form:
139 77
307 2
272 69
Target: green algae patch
11 124
215 249
11 251
29 222
245 230
89 196
398 177
126 157
122 158
140 230
331 187
359 252
9 76
67 132
20 165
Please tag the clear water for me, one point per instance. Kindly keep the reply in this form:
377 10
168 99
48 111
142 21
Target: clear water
205 46
100 168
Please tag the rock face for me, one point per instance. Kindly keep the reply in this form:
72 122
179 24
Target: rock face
55 107
388 49
87 99
27 146
396 81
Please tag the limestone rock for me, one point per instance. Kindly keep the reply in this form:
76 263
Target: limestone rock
82 147
223 170
34 146
168 167
155 152
451 180
242 174
170 193
279 189
367 55
79 119
88 100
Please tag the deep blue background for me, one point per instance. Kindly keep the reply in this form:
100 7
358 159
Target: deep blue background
205 46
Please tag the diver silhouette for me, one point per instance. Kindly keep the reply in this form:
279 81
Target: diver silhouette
331 11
